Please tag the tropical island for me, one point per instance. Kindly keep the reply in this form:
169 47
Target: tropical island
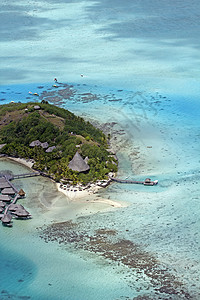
61 145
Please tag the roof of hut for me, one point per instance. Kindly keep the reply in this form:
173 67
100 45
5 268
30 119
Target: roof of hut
35 143
1 209
36 107
21 213
4 185
2 204
13 207
78 163
21 192
44 145
5 198
6 218
50 149
8 191
2 180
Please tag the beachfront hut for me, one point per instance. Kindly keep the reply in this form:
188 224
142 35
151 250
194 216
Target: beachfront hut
8 191
5 198
44 145
22 193
78 164
6 218
50 149
35 143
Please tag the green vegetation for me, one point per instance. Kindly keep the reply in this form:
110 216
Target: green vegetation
21 124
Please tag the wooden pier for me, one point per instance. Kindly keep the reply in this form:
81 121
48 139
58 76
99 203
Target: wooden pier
147 181
26 175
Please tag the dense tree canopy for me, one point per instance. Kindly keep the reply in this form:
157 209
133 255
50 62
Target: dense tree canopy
21 124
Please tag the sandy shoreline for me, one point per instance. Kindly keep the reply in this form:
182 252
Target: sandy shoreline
73 193
87 193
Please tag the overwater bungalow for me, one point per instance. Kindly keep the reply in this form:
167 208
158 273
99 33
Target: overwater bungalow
6 219
78 164
4 185
13 207
8 191
5 198
21 213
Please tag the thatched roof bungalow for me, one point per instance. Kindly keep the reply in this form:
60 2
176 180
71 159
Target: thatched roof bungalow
5 198
35 143
4 185
44 145
8 191
21 213
13 207
6 218
78 164
50 149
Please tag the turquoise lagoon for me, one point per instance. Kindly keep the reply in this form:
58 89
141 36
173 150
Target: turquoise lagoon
140 66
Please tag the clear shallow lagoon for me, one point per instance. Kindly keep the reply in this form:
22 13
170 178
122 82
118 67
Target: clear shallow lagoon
140 66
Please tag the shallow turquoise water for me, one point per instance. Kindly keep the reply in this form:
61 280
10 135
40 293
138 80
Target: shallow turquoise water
141 60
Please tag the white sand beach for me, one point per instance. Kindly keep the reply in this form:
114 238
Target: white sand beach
74 194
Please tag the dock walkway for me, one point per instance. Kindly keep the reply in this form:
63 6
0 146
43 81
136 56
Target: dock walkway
26 175
147 181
